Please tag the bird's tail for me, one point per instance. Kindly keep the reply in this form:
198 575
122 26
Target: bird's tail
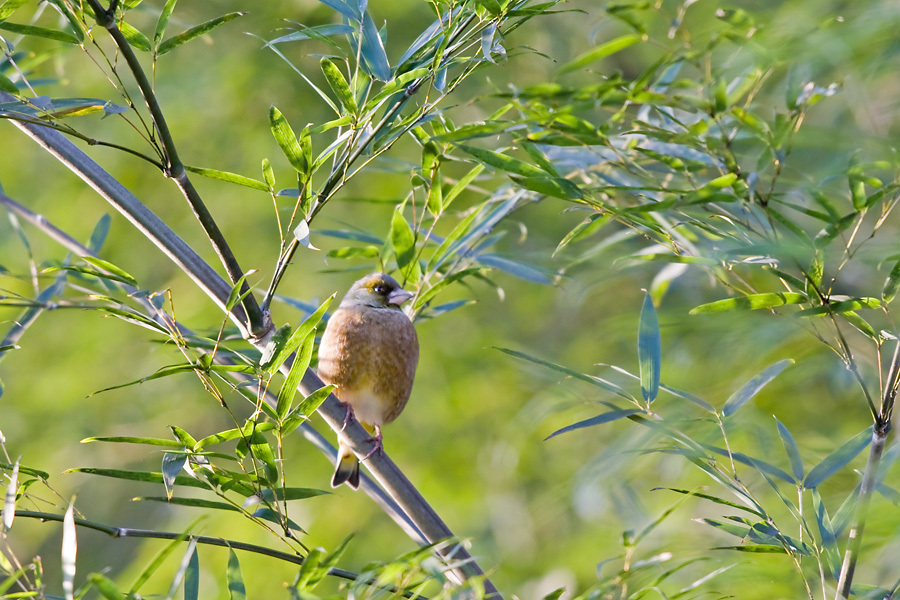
346 470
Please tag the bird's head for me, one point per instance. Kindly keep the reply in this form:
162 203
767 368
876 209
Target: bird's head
377 290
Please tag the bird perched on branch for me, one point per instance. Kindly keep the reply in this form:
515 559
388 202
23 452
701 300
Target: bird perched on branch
369 351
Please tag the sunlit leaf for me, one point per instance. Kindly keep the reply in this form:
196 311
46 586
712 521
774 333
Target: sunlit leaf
195 32
750 302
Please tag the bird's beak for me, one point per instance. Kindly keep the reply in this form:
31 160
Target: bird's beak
398 297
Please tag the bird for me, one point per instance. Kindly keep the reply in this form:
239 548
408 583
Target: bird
369 351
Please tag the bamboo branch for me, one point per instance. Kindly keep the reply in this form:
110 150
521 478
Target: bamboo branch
385 472
259 324
125 532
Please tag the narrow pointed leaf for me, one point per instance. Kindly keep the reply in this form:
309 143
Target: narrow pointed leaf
649 350
372 52
187 561
750 302
793 452
613 415
230 178
192 578
601 51
195 32
163 21
172 464
752 387
234 577
403 242
338 85
287 140
838 459
298 369
297 338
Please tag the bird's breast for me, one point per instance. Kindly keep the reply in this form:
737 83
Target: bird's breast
370 354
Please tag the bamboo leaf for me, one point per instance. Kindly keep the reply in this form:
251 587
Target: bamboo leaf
339 85
649 350
838 459
752 387
230 178
287 140
793 452
603 50
298 369
750 302
234 577
607 417
195 32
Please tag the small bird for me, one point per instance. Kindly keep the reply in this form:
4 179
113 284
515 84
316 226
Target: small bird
369 352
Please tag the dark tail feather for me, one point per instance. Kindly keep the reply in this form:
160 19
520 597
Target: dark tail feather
346 470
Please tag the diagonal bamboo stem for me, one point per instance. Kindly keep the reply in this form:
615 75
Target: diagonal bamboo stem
385 472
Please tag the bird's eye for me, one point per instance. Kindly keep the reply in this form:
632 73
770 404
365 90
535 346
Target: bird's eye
380 289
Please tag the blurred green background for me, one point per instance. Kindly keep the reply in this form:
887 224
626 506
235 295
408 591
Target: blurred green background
540 514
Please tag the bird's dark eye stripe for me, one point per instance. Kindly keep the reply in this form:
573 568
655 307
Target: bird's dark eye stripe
380 289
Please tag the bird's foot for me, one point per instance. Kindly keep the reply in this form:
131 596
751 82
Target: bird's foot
378 446
347 416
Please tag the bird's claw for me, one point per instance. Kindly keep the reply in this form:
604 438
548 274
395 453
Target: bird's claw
347 416
378 445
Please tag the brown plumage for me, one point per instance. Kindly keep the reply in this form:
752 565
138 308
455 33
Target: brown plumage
369 351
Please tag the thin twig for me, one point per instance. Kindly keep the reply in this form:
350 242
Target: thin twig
125 532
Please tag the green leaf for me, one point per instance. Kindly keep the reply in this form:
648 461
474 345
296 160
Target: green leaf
9 7
838 459
229 434
750 302
793 451
503 162
403 242
603 50
298 337
367 252
306 407
145 476
613 415
842 306
42 32
189 502
298 369
234 577
135 440
556 187
609 386
752 387
339 85
172 464
112 271
135 38
8 86
195 32
98 236
106 586
891 284
374 57
230 178
287 140
649 350
163 21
